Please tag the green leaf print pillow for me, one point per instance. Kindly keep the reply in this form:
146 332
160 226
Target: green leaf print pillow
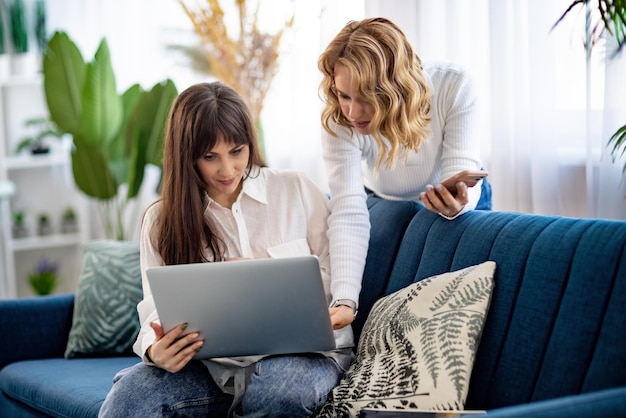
417 347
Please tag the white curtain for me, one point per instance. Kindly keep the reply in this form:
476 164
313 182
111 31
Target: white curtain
141 33
546 115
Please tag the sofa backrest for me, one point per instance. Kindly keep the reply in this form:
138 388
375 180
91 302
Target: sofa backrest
556 321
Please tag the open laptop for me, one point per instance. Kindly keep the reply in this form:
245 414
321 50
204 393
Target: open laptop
247 307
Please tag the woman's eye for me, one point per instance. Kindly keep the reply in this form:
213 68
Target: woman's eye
236 151
344 96
209 157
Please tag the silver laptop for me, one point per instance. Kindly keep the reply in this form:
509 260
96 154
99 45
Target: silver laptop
247 307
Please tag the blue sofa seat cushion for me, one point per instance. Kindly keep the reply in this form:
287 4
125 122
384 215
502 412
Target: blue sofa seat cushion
61 387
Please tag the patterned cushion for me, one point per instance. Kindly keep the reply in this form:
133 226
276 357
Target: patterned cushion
105 318
417 347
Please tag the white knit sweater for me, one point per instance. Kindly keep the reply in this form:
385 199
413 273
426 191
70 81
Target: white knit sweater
351 157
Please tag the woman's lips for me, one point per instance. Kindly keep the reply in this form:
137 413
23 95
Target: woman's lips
227 182
361 125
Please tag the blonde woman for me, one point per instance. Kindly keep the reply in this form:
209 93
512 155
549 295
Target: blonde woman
396 127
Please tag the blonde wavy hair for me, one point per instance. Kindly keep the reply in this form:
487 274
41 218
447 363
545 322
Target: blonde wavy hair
389 76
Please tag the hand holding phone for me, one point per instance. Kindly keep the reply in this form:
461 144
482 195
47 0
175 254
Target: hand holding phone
469 177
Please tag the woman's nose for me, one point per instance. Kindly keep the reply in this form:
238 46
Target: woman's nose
355 110
227 166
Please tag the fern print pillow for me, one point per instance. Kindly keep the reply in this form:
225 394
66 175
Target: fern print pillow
105 320
417 347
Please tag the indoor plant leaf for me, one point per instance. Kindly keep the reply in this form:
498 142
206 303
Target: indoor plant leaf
145 131
102 106
137 162
91 171
119 147
64 75
618 144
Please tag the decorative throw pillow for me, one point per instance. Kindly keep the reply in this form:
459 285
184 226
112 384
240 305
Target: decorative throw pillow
417 346
105 320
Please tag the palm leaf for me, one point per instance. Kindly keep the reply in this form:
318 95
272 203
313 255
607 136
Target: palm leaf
618 142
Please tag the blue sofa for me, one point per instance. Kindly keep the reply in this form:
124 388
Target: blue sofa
554 343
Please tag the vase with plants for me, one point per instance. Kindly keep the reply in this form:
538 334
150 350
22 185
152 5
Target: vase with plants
115 136
69 223
41 33
605 18
20 59
5 62
44 226
19 228
44 279
37 144
247 62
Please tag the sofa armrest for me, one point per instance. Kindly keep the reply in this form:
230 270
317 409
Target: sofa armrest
35 327
600 404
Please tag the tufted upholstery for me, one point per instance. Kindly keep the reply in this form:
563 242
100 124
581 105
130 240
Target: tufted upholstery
553 344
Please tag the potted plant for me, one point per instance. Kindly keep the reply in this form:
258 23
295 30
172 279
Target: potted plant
44 279
4 56
41 35
19 224
38 142
69 223
114 136
610 18
44 227
19 38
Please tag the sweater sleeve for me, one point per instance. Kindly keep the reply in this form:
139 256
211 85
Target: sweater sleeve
455 104
348 223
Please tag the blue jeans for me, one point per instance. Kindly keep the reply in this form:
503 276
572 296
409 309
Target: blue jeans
281 386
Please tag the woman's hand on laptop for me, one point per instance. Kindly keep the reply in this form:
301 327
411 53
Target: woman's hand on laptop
341 316
172 351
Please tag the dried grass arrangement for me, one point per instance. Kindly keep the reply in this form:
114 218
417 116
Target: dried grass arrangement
247 63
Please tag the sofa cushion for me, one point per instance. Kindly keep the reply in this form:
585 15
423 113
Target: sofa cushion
105 320
62 387
417 347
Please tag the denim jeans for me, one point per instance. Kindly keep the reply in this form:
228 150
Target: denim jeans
281 386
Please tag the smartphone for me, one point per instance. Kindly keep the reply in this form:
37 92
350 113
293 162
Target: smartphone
469 177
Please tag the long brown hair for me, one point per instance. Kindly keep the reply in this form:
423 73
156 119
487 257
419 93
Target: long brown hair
389 76
199 116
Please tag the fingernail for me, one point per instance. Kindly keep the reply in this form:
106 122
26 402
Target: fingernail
462 184
422 196
429 187
184 326
439 187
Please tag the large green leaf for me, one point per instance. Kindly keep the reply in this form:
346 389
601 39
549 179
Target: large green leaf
137 163
64 76
145 131
91 171
102 106
151 115
120 148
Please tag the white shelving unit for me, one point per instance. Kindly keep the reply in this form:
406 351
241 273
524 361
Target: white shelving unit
43 184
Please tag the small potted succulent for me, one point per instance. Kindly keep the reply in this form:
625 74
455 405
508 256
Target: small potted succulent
19 224
69 224
44 279
44 227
